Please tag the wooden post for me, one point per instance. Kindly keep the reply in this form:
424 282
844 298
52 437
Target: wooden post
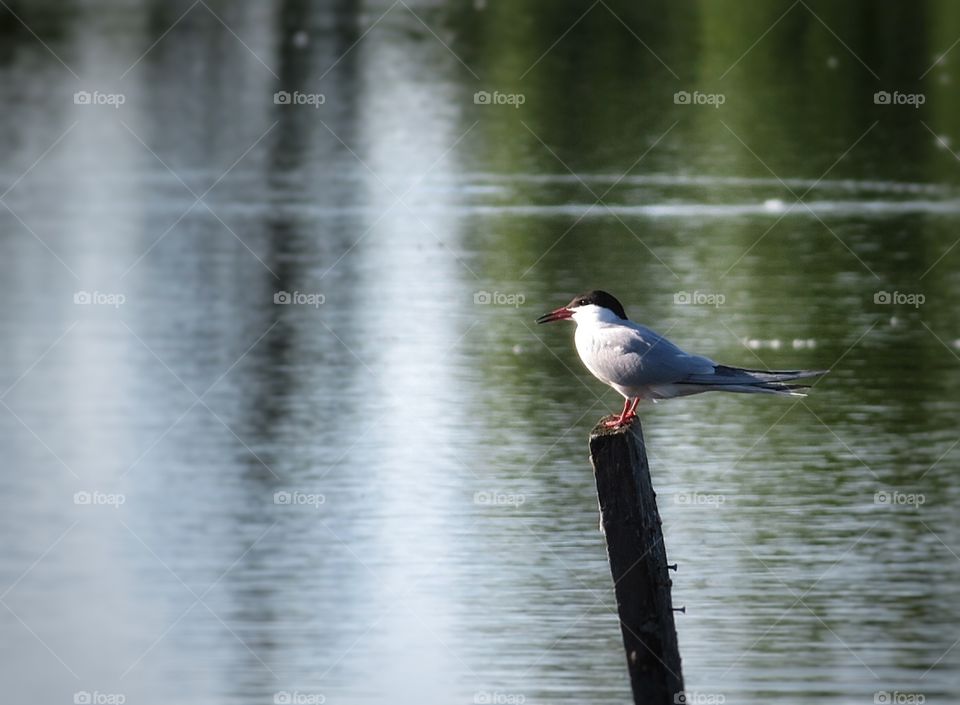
638 562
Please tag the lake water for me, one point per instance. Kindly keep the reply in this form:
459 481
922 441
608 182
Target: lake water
277 423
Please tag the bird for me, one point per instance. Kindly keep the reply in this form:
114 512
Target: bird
642 364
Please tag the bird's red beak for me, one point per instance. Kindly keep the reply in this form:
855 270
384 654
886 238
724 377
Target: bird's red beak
559 314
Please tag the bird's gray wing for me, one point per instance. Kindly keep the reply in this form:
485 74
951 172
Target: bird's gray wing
637 357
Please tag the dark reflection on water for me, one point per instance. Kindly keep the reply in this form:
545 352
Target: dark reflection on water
380 490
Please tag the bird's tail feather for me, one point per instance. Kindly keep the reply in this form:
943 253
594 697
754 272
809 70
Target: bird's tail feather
740 379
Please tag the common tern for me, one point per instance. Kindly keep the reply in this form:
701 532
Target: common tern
642 364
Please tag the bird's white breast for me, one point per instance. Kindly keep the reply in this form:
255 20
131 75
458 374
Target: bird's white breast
598 350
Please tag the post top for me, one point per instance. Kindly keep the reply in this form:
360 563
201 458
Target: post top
600 430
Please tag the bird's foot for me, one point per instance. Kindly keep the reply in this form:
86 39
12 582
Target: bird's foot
620 421
626 416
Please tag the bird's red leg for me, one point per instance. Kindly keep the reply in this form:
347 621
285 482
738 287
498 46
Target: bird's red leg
629 411
625 415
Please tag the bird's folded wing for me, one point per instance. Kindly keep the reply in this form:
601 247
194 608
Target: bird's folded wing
638 356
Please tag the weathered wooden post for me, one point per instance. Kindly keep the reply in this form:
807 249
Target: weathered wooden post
638 562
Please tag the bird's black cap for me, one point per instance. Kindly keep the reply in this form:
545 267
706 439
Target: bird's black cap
599 298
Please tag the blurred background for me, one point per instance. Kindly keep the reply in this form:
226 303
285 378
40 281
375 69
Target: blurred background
277 424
